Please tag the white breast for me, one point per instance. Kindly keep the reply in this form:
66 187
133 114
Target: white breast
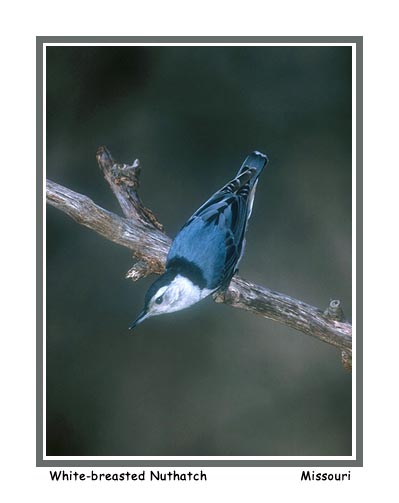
185 293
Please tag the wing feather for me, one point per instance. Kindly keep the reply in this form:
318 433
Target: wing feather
213 238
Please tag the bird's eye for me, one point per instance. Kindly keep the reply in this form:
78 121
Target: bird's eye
159 300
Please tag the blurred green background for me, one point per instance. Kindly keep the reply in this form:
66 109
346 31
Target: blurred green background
211 380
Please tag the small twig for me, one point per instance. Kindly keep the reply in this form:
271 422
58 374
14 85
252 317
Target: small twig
141 269
142 233
124 180
346 358
334 311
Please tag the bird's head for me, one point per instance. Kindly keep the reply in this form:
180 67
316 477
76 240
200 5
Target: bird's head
169 293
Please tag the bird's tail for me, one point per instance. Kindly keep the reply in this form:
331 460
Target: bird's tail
255 162
249 172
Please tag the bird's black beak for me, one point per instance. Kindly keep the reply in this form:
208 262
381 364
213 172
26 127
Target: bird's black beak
141 317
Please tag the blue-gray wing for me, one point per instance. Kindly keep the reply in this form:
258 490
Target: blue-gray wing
212 240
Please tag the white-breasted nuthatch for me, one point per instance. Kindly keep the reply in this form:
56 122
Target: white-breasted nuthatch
205 253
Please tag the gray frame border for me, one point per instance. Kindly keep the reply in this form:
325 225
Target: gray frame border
40 462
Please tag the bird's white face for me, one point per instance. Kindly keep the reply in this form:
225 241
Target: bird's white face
179 294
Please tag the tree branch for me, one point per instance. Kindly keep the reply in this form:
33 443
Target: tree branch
148 244
141 232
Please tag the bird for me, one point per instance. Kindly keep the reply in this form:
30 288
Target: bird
205 253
